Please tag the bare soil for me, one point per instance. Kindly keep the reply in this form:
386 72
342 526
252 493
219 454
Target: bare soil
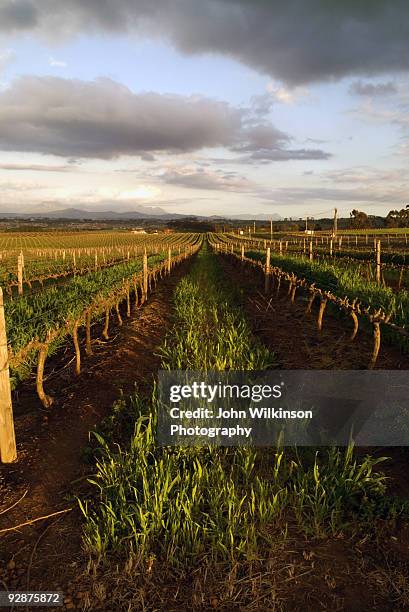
339 574
51 468
292 334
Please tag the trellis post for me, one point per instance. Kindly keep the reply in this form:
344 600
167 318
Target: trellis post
378 262
8 451
20 267
267 272
145 274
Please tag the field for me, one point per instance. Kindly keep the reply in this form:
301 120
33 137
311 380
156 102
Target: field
95 508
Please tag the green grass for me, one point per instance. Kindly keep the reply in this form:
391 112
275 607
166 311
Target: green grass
343 281
192 506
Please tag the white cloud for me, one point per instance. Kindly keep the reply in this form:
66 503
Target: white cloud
200 178
6 57
286 96
55 63
141 192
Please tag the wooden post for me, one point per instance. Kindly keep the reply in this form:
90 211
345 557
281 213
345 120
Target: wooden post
311 253
242 252
128 300
378 262
330 247
8 451
169 260
77 348
267 272
281 247
145 275
20 267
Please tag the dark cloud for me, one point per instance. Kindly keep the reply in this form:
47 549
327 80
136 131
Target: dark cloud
37 167
103 119
279 154
18 15
362 88
147 157
262 136
297 41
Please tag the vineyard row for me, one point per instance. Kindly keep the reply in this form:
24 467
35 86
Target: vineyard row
38 325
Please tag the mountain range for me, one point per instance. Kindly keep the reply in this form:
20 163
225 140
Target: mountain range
142 212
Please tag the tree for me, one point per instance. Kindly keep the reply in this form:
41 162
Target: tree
359 219
398 218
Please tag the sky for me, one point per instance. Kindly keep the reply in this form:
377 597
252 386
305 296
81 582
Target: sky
217 107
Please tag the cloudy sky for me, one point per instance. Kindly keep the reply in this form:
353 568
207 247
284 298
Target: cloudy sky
205 106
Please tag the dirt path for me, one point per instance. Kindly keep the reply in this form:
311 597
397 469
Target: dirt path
292 334
50 469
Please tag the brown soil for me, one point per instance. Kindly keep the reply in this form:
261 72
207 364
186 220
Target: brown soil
337 574
293 336
50 469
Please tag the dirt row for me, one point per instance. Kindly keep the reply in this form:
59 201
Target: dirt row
51 469
292 333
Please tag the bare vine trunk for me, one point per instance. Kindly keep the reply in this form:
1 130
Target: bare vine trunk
88 345
321 313
118 314
376 344
128 302
45 399
77 348
356 325
105 333
310 302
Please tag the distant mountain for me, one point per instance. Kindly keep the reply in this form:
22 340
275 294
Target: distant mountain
141 212
78 214
105 206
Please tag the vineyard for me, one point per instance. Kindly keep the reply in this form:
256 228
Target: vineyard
30 262
86 323
378 257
